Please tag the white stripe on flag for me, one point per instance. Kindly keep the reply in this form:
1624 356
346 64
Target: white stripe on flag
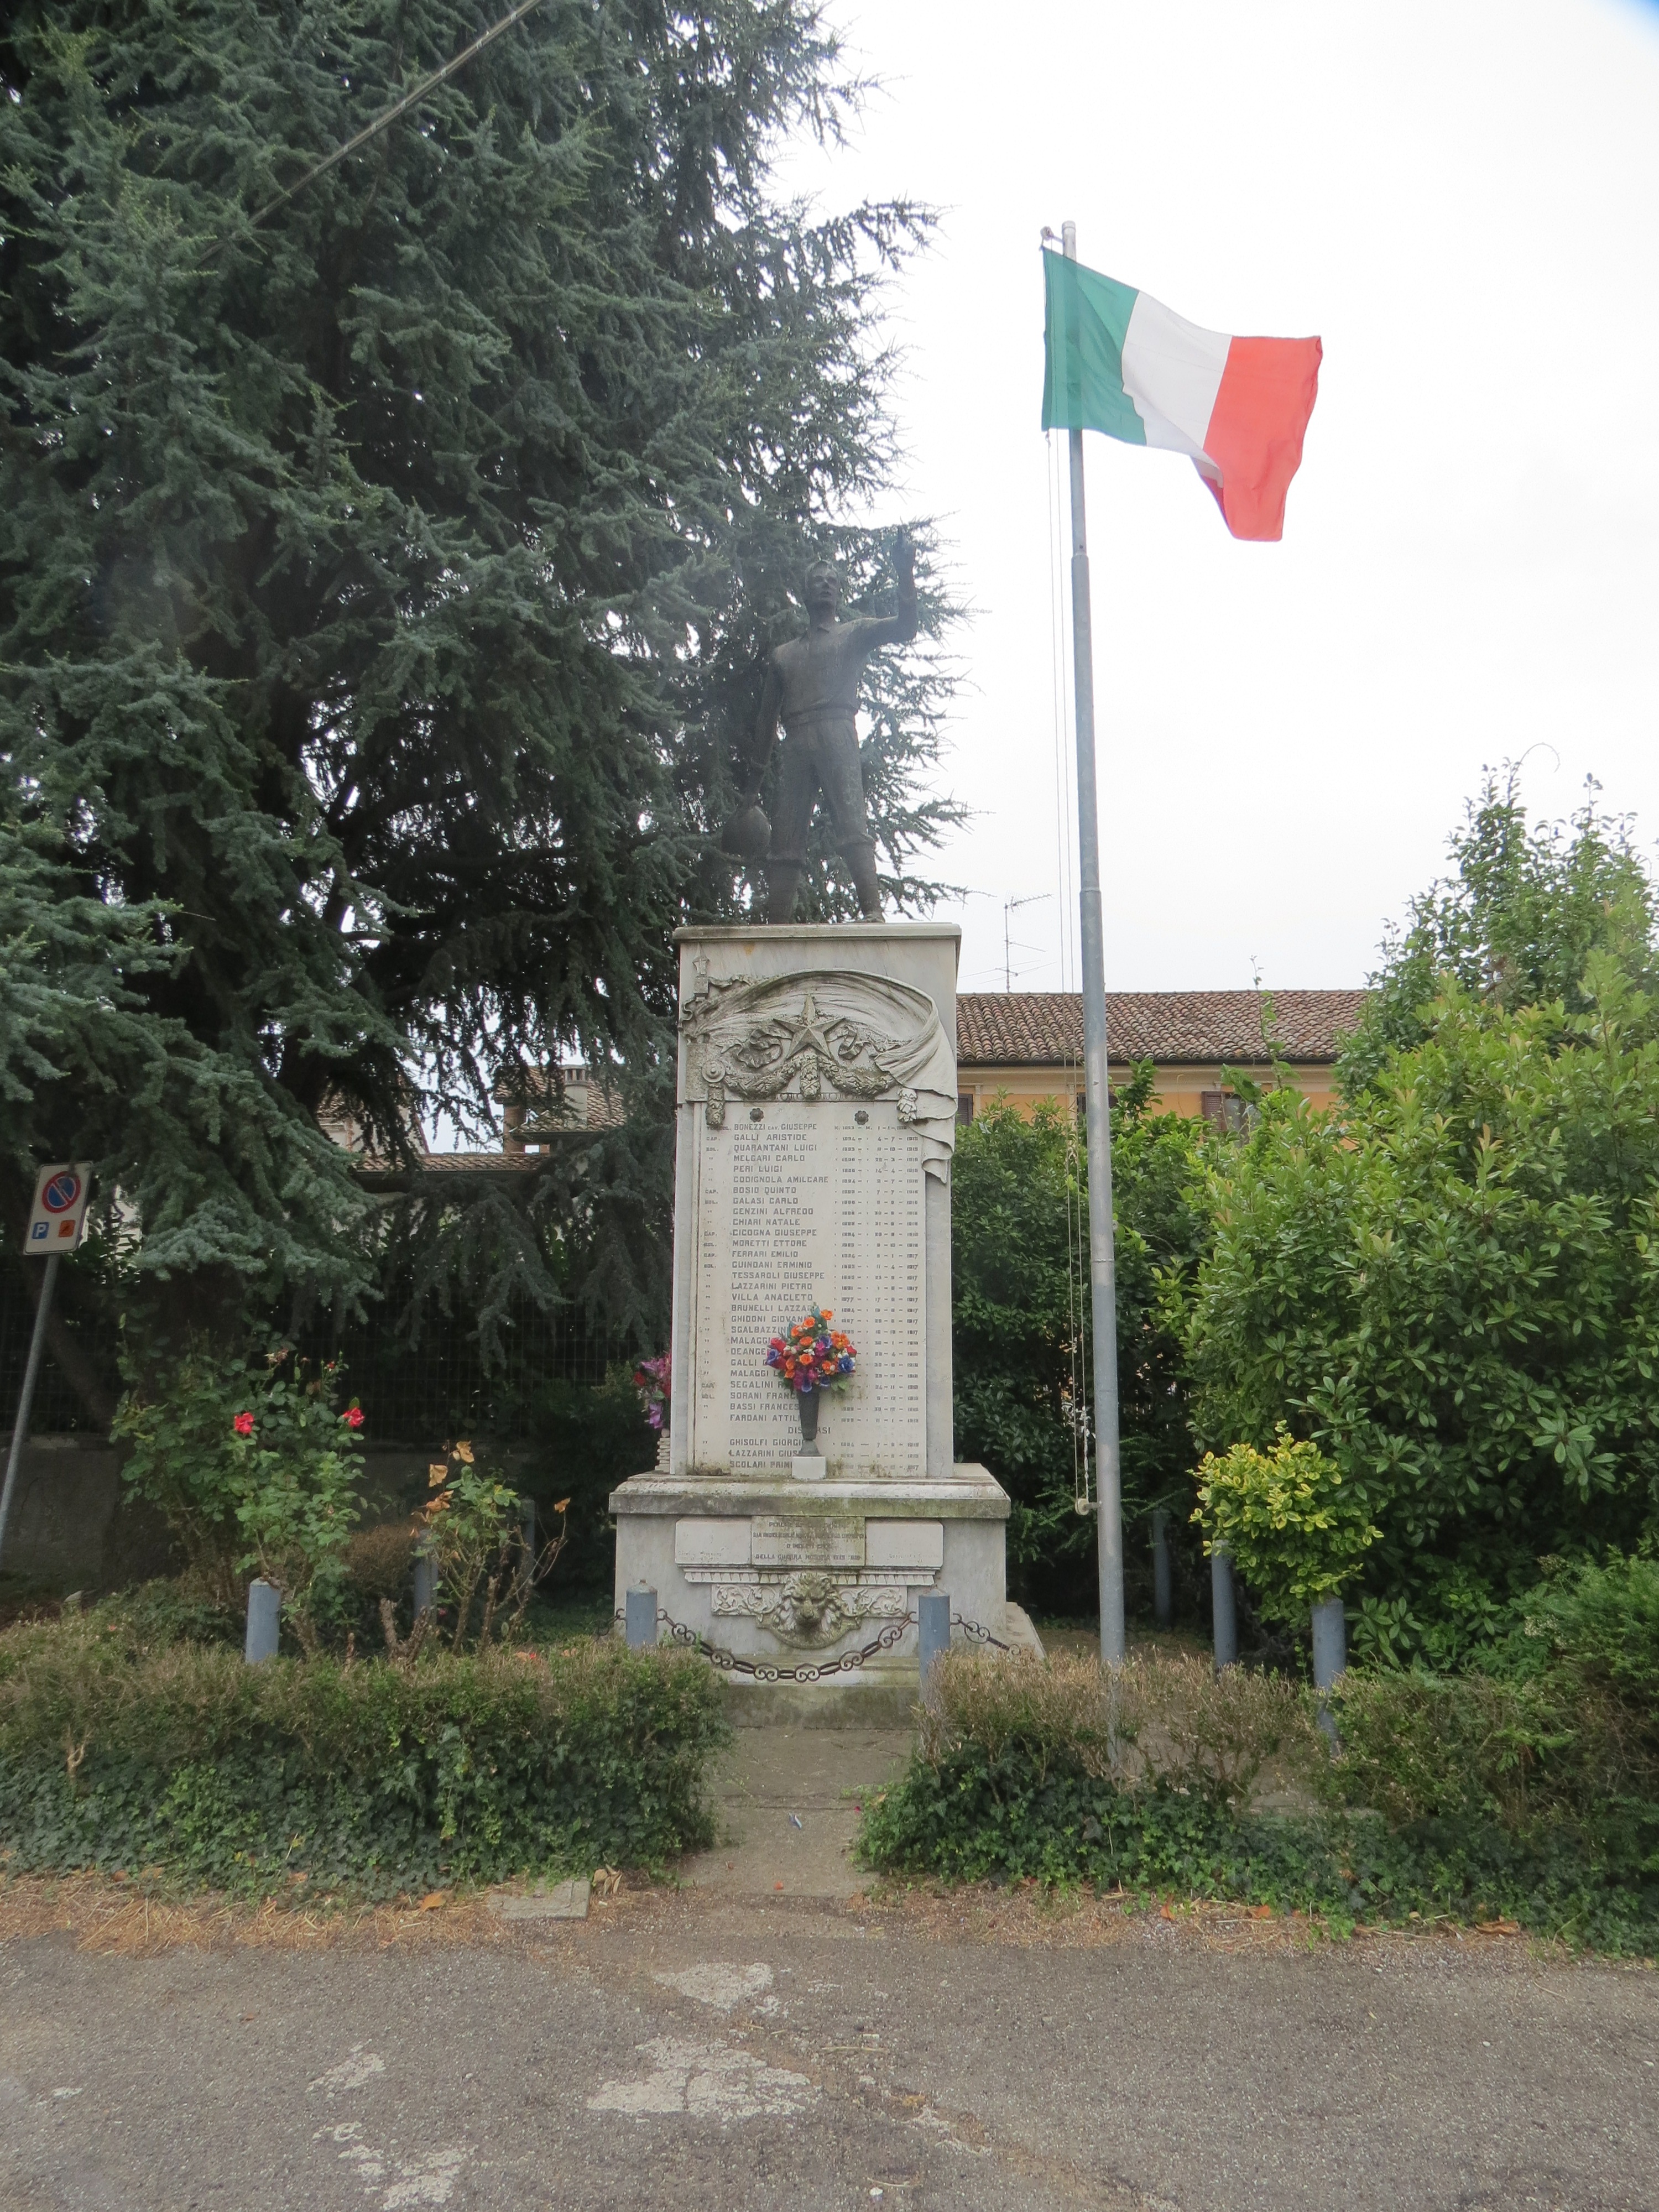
1172 372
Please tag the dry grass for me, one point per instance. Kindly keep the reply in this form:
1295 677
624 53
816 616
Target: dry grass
129 1919
114 1919
1026 1916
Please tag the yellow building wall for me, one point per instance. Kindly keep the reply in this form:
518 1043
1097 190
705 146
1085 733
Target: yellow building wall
1178 1090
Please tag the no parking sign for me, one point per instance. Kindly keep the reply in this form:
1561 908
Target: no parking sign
60 1208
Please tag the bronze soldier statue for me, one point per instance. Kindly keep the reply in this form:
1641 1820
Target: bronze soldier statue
812 688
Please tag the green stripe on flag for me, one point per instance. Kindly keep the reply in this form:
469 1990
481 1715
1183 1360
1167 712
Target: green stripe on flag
1085 321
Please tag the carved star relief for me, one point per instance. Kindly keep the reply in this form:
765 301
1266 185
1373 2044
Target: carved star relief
808 1034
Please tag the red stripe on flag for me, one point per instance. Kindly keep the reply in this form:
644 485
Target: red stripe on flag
1267 394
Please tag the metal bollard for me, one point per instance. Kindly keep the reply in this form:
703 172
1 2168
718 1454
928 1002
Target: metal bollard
932 1633
426 1584
1330 1660
1223 1609
264 1619
1162 1578
640 1620
1330 1642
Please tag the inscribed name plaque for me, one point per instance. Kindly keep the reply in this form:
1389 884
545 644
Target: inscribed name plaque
801 1204
706 1542
778 1539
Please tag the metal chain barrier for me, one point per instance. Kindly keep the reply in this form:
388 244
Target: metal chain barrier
763 1670
976 1634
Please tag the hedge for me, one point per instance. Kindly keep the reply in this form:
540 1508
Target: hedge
373 1779
1028 1770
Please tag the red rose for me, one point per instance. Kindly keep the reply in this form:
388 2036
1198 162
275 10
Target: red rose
243 1424
353 1417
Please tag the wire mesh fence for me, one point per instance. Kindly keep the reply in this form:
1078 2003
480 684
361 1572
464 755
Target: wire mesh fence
435 1384
438 1385
58 1408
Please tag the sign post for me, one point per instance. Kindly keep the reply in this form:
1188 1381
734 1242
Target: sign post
57 1222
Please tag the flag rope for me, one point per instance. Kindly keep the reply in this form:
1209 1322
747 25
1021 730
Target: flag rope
1077 1409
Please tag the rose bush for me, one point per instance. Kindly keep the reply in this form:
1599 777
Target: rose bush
255 1469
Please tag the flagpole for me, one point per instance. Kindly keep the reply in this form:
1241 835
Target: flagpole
1102 1274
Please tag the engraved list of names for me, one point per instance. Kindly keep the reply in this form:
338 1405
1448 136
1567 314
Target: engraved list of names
809 1206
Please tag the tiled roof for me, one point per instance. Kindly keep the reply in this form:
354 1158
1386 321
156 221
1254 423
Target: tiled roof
1044 1029
377 1175
479 1163
588 1102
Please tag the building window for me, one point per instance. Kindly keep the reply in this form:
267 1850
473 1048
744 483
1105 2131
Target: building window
964 1107
1225 1110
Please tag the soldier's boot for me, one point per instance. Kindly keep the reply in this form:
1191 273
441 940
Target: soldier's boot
782 889
861 860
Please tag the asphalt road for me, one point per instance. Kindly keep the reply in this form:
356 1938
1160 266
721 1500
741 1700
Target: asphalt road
700 2050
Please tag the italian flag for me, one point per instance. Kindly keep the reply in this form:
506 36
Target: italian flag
1118 362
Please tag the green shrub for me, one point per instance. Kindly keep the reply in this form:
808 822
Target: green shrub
471 1526
379 1564
1418 1748
1451 1286
1175 1719
254 1468
1468 1798
1603 1622
1020 1321
372 1778
1295 1533
168 1610
1565 1738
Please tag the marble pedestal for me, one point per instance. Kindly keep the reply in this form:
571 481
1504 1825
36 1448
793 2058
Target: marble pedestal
792 1577
816 1121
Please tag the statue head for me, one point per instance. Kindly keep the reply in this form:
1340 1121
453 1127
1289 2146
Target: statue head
821 587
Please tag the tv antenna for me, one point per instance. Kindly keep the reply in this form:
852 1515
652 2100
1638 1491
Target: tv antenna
1010 943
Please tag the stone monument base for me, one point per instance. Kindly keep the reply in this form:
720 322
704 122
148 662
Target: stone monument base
790 1579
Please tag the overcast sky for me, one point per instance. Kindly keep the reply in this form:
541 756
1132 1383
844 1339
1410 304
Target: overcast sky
1461 197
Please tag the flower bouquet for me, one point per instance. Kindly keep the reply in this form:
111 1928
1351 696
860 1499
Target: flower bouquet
651 1380
812 1357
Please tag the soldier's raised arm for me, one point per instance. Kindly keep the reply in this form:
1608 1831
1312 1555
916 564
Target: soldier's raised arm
900 628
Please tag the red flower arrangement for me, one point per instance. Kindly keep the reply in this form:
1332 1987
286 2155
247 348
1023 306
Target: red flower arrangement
813 1356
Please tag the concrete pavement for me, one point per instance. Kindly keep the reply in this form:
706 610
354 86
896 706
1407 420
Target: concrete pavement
788 1801
698 2052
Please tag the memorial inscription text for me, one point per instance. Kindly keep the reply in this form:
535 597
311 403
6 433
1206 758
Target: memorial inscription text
814 1204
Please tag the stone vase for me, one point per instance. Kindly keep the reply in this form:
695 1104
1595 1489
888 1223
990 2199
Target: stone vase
806 1404
809 1464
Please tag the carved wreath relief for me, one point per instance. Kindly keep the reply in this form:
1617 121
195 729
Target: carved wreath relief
853 1035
